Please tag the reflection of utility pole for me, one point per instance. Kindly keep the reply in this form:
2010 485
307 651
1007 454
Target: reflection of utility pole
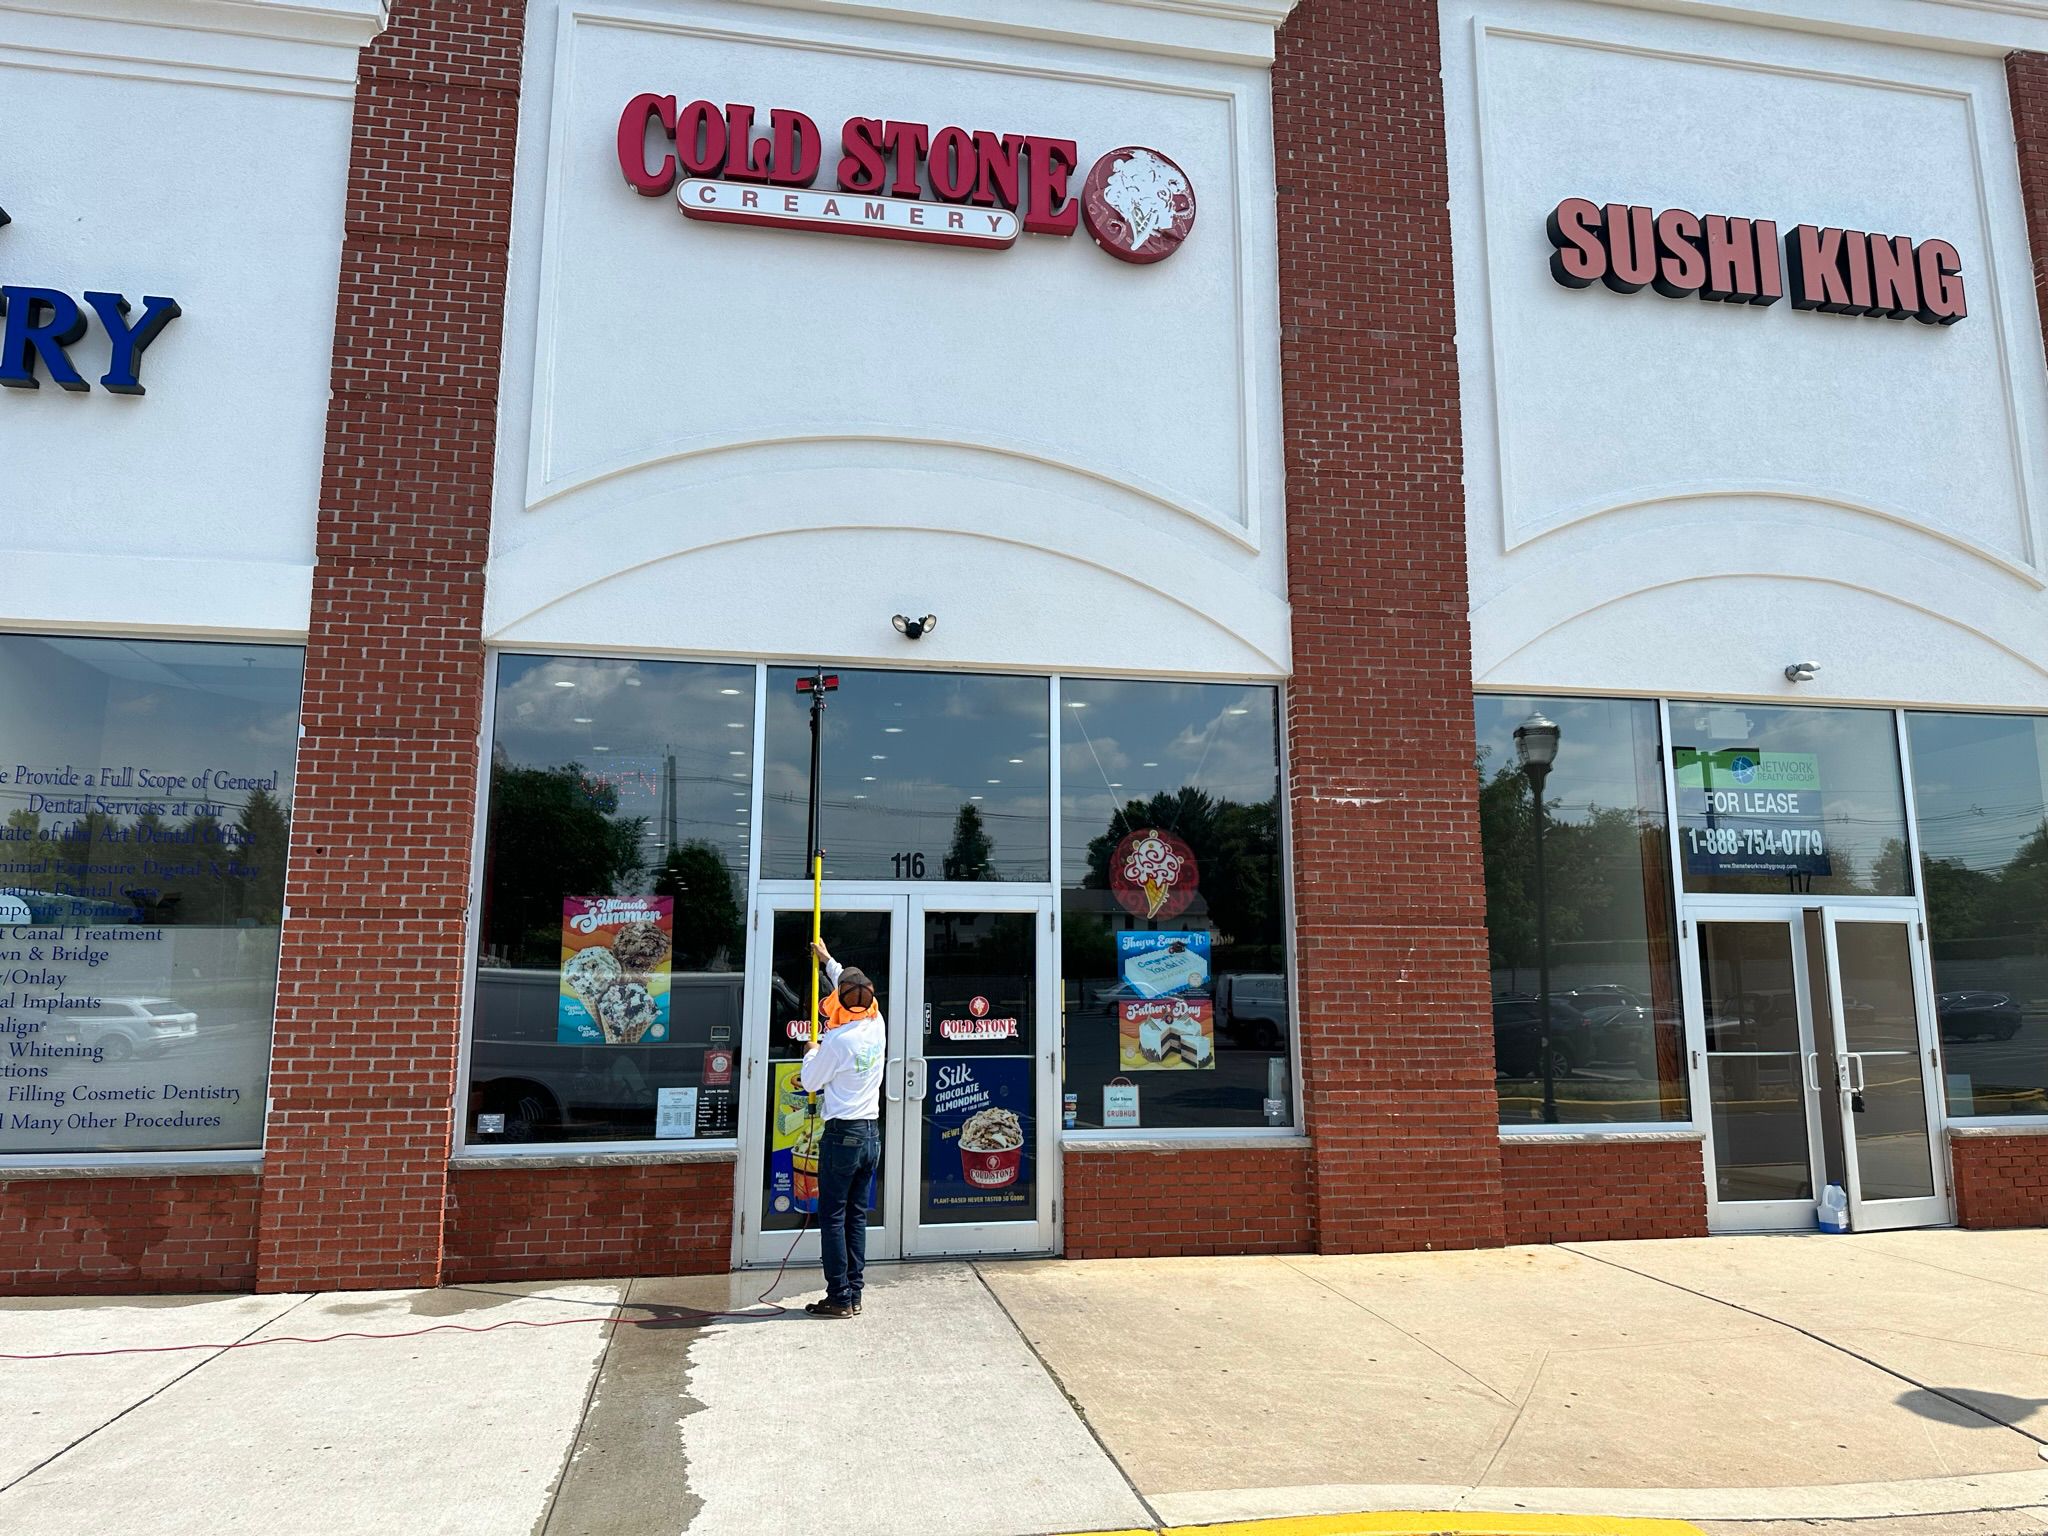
668 807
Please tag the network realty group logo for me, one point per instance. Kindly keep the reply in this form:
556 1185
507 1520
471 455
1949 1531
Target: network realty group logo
985 188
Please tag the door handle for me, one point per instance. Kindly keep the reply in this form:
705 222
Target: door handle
892 1082
1810 1072
1862 1082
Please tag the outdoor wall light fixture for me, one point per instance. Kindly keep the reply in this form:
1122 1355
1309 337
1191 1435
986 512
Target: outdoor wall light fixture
915 629
1801 671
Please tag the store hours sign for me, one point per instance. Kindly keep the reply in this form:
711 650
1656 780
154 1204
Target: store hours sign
1747 812
730 165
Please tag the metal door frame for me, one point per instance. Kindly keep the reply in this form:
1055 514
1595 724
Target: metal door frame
1821 1098
758 1246
892 1236
1913 1210
1748 1215
1007 1237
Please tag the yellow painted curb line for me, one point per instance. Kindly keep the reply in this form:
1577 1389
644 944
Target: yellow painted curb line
1429 1523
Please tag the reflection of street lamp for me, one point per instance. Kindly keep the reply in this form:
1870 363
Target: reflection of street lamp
1536 746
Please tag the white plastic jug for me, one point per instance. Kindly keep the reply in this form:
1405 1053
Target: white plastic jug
1834 1209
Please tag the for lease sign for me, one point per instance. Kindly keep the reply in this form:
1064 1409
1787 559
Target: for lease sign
1747 812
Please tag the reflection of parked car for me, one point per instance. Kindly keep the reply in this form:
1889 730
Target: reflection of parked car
1621 1024
1518 1036
1977 1015
130 1026
520 1069
1252 1009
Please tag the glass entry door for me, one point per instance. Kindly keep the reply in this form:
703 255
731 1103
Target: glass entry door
1888 1071
965 985
1813 1054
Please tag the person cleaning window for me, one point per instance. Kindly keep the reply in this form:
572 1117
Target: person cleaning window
845 1066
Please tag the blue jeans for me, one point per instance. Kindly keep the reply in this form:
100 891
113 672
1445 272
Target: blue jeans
847 1160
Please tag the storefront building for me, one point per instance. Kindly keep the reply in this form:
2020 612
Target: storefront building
1190 438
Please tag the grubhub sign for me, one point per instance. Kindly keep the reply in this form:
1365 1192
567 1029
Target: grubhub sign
986 187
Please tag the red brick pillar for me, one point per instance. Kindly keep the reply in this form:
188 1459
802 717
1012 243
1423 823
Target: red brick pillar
369 1017
2026 80
1396 1024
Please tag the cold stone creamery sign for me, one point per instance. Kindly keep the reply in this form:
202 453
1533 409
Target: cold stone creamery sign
1739 261
987 187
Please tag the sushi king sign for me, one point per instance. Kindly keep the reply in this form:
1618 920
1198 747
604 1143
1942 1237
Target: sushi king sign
894 180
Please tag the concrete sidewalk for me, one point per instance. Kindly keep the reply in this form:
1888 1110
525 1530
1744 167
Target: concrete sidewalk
1749 1384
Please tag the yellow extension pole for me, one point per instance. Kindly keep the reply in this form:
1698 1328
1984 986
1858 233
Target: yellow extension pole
817 931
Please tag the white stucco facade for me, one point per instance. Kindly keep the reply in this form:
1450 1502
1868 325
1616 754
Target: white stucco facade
1677 497
191 508
708 430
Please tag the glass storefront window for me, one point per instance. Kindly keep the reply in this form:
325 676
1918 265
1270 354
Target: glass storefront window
1776 800
1614 1052
148 789
926 776
1980 796
613 943
1174 953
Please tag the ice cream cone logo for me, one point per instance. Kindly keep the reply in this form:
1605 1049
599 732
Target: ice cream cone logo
1153 873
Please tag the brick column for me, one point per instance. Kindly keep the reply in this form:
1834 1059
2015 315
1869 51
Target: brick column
2026 81
1396 1023
363 1072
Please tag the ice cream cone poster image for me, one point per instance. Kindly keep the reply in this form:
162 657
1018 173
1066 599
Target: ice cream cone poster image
615 970
978 1127
1166 1034
1153 874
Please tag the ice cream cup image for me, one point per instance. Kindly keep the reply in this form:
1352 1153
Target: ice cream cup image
803 1166
991 1149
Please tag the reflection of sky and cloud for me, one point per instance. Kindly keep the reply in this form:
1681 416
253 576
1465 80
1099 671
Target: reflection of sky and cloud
624 723
1980 785
902 753
166 706
1125 741
1607 752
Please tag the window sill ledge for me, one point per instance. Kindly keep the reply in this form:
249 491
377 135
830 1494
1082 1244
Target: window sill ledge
464 1161
1224 1142
1579 1133
113 1168
1967 1130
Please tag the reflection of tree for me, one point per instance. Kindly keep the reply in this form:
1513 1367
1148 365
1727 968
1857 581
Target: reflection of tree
1594 866
708 917
2009 903
552 833
1237 850
972 856
265 832
195 872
